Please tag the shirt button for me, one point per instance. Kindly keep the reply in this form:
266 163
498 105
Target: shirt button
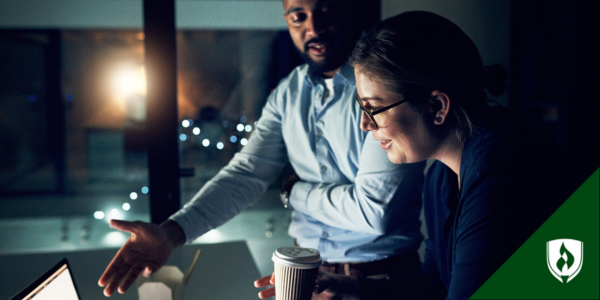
325 235
319 132
323 168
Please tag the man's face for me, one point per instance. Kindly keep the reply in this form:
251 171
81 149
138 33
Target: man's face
324 32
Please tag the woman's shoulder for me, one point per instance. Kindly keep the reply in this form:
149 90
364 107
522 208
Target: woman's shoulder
512 158
502 136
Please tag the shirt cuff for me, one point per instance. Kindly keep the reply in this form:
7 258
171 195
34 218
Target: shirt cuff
193 227
299 196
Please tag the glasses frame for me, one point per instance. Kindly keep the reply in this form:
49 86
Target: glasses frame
372 114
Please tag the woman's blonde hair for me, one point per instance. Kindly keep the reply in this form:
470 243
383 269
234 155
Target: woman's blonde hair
415 53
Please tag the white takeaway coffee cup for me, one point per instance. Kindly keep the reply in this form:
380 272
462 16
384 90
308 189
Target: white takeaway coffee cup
296 270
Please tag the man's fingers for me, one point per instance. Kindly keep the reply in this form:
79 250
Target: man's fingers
266 281
130 279
262 282
319 287
270 292
109 290
116 279
131 227
322 282
112 267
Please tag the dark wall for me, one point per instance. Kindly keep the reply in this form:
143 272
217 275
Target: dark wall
555 73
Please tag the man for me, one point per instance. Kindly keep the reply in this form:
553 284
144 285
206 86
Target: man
358 209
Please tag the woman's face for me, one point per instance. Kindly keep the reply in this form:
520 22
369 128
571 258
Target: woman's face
402 130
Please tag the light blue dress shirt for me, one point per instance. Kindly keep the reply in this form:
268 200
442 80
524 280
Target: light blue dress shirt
352 203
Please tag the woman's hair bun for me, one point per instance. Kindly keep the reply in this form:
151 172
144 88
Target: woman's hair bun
496 79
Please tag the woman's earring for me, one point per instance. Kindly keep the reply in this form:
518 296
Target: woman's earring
439 119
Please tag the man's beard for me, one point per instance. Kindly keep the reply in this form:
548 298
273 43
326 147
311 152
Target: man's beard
330 63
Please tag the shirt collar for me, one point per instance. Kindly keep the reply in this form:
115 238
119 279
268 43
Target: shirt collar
347 73
344 75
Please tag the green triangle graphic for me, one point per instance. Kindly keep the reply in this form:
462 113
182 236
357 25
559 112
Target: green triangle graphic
525 275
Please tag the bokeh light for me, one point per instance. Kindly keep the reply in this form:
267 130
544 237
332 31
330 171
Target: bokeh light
99 215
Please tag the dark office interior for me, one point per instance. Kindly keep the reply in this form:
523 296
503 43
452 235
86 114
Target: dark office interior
86 135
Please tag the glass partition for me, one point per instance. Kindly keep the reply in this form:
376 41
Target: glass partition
74 159
72 136
73 117
224 79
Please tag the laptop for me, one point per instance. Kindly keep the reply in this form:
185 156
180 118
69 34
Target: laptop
56 284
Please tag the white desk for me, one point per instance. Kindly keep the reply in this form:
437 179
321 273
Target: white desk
224 271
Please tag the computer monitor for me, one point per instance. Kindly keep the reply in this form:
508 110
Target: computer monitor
56 284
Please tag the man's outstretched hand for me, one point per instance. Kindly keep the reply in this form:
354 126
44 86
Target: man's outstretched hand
147 249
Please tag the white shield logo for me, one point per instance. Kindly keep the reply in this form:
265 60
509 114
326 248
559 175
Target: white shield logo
564 258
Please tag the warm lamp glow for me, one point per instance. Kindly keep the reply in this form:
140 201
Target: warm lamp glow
129 80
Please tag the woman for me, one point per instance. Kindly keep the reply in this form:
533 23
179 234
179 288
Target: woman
422 87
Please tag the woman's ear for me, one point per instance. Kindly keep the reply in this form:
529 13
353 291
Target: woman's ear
440 103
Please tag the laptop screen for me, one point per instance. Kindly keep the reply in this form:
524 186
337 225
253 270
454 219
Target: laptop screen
56 284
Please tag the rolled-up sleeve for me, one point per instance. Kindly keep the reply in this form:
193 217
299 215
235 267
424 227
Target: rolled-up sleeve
366 204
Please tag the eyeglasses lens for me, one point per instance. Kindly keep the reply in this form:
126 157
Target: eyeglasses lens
362 106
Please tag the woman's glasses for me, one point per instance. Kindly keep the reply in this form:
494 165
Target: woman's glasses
372 114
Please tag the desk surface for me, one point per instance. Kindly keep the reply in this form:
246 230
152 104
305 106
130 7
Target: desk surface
224 271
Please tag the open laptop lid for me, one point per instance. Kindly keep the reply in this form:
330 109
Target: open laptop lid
56 284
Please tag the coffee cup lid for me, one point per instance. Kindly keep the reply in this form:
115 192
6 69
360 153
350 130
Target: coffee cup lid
297 257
